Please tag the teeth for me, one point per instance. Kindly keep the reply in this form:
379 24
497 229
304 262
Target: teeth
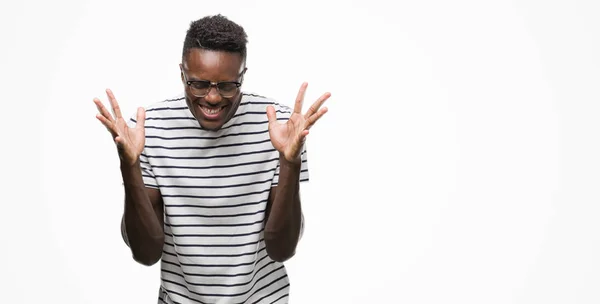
211 111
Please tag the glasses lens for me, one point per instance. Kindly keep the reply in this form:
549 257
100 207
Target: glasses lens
228 89
200 88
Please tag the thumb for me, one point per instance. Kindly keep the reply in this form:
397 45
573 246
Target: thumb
141 118
271 114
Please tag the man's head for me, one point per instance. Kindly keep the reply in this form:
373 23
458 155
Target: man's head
212 69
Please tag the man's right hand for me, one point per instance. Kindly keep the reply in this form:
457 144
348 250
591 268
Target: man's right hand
129 141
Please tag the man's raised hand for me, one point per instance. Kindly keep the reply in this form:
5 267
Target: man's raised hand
129 141
288 138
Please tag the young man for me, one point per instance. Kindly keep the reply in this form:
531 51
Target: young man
212 178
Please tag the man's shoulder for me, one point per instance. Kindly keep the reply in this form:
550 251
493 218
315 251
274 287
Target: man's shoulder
170 108
174 103
256 102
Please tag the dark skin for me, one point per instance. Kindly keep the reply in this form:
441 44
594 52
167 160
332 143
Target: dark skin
143 216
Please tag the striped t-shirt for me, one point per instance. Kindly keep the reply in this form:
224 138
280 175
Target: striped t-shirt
215 186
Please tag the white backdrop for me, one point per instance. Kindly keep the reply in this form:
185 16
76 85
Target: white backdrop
459 161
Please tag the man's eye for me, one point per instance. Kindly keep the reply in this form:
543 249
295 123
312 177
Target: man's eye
227 87
200 85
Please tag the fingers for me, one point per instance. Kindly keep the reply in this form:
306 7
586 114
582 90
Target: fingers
271 116
105 117
140 118
119 141
114 104
108 124
300 98
313 119
303 134
315 106
302 139
103 111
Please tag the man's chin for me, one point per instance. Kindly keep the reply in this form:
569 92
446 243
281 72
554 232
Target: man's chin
208 124
211 125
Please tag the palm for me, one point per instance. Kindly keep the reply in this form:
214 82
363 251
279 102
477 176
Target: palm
133 139
129 141
288 138
285 136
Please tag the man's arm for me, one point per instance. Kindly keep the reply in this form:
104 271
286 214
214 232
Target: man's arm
142 223
284 217
284 213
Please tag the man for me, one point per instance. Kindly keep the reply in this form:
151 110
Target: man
212 178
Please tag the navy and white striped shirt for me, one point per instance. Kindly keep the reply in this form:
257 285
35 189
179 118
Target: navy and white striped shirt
215 186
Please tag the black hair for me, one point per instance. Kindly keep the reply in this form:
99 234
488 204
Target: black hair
216 33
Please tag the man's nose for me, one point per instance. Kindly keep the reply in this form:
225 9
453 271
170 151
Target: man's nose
213 95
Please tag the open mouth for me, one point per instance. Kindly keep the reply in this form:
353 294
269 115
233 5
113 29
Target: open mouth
211 112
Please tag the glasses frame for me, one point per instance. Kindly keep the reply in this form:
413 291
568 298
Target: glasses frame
212 84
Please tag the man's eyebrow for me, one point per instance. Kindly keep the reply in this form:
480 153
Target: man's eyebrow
191 78
204 80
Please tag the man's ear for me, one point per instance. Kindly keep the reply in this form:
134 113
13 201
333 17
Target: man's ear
181 71
243 73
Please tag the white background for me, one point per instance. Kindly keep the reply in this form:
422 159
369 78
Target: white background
459 162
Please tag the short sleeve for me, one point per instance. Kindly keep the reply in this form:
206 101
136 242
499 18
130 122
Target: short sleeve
303 169
147 173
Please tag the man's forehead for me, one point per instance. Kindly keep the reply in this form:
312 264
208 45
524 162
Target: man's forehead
207 56
213 66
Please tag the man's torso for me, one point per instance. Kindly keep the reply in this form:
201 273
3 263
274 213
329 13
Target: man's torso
215 187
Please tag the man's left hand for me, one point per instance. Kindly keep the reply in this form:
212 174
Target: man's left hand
289 137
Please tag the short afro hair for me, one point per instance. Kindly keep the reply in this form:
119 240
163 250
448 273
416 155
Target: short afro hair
215 33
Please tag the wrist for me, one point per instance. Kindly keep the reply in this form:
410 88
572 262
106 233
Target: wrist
293 163
128 163
129 169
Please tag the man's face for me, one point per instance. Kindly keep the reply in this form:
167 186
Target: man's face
212 109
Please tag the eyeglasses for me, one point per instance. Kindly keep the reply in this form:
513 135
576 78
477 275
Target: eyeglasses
201 88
